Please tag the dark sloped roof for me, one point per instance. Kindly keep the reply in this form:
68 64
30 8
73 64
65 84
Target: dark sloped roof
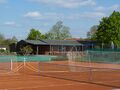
87 42
62 42
35 42
53 42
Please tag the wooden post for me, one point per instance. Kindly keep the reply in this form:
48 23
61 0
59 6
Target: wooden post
50 50
37 50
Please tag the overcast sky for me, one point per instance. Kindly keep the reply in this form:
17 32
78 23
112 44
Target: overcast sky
17 17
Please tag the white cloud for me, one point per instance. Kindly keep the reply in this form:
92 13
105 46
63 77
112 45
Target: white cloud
48 15
11 23
67 3
61 16
34 14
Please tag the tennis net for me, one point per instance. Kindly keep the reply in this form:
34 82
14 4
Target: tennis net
102 76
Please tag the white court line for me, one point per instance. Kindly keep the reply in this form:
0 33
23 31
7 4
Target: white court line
110 81
38 86
54 71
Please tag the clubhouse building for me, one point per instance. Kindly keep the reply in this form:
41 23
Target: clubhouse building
54 47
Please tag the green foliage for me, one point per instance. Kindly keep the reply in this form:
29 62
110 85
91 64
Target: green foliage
6 52
2 50
2 38
109 29
26 50
35 35
14 39
59 32
92 31
7 42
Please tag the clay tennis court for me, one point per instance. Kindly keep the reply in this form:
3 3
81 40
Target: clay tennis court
27 82
52 77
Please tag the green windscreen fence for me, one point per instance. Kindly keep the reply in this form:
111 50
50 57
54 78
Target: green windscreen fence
100 56
34 58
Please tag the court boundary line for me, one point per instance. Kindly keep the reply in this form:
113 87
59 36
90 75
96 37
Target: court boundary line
81 81
110 81
82 66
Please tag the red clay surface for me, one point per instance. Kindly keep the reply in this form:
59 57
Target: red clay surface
27 82
28 79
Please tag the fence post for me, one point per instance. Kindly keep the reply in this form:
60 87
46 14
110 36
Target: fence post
11 65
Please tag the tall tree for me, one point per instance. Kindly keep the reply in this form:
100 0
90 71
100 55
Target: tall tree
35 35
9 41
59 32
109 29
2 38
92 31
14 39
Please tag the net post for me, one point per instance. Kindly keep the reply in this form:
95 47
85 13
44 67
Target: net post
38 68
49 59
24 61
89 61
11 65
